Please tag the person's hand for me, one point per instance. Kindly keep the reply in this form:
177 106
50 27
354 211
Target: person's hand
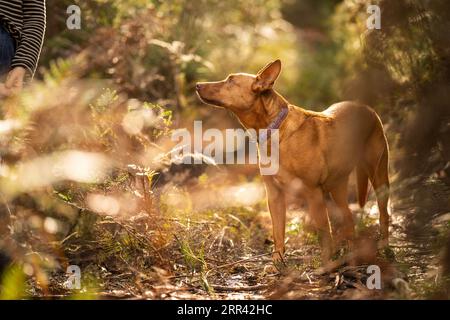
14 82
3 91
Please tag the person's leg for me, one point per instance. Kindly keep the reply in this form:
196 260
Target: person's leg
7 51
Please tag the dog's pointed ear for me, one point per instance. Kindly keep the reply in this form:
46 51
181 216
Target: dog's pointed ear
267 76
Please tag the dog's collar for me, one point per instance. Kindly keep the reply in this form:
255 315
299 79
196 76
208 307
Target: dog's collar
275 124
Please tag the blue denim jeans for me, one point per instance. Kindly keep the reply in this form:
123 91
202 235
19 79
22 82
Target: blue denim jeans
7 51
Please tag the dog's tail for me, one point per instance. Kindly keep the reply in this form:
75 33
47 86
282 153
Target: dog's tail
373 165
362 182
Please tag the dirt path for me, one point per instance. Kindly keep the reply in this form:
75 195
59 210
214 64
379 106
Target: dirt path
254 277
227 256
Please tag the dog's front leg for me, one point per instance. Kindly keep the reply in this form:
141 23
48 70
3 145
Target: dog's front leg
277 208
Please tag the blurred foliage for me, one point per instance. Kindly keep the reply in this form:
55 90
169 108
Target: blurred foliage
13 284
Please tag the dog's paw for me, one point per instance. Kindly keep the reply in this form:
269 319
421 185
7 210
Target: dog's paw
278 261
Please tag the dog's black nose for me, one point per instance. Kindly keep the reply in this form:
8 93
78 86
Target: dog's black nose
198 86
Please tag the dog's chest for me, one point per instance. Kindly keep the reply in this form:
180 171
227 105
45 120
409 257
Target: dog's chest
290 183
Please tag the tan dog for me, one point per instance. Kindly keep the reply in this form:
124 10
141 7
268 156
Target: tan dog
317 151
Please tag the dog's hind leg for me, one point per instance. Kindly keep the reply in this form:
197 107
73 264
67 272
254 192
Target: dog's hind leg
340 197
319 216
362 181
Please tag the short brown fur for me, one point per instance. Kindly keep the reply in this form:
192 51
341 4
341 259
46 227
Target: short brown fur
318 151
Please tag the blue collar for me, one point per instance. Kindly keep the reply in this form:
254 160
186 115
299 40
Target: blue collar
275 124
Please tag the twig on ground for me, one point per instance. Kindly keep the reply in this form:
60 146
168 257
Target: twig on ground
226 265
239 289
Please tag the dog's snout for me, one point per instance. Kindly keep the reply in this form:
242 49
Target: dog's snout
198 86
